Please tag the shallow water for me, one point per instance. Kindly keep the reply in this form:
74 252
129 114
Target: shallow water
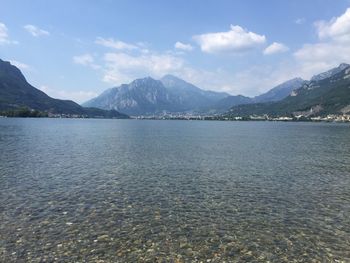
173 191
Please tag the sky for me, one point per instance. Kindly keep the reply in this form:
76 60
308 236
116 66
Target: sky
77 49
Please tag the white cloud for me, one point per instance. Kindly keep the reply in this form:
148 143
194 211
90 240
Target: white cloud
182 46
122 67
20 65
249 82
234 41
325 52
36 31
315 58
116 44
4 37
130 61
77 96
337 29
86 60
332 49
275 48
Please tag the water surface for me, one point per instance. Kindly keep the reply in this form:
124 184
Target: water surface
173 191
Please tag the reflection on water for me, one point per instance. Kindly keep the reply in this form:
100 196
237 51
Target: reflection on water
173 191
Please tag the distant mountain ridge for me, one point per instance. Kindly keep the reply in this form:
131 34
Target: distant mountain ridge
281 91
330 72
190 95
142 96
16 93
326 93
228 102
148 96
275 94
171 94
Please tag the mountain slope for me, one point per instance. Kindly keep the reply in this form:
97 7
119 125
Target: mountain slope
190 96
230 101
171 94
330 72
16 92
148 96
281 91
318 97
140 97
275 94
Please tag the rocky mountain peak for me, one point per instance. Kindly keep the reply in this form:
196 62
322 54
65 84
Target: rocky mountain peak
330 73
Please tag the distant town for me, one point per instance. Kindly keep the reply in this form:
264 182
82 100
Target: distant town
328 118
192 117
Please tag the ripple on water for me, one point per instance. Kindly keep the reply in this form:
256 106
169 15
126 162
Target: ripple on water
160 191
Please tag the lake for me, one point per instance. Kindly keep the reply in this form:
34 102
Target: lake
86 190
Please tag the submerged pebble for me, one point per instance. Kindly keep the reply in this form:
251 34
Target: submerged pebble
174 192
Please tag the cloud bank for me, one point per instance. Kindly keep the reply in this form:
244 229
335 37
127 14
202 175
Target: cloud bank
236 40
275 48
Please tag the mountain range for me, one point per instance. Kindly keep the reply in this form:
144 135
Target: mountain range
326 93
148 96
275 94
16 93
171 94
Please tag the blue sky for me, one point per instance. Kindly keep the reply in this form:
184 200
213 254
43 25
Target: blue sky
77 49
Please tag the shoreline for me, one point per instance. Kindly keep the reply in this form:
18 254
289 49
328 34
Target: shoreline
188 119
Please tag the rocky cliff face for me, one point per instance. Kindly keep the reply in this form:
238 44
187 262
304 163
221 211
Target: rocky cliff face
149 96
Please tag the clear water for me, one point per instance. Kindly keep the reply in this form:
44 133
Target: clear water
173 191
